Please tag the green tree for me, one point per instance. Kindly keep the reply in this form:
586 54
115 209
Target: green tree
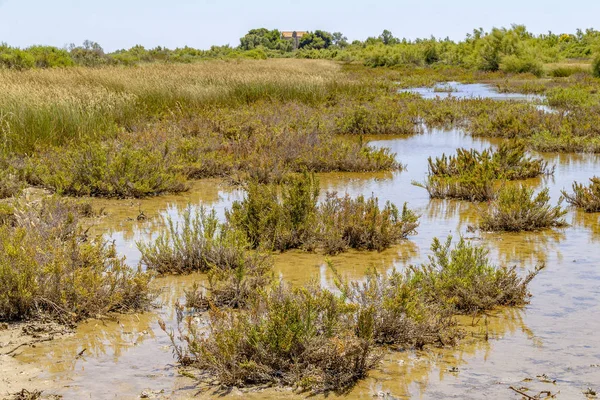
316 40
339 39
388 38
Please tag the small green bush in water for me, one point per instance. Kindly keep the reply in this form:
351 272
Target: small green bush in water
585 197
471 175
518 208
295 220
464 279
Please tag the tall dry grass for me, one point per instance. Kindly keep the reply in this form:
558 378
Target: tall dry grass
58 106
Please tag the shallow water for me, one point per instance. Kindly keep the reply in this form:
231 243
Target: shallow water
555 335
469 91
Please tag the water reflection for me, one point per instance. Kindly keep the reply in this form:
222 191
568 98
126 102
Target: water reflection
469 91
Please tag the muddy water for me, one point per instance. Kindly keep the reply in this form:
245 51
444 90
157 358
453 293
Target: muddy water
555 338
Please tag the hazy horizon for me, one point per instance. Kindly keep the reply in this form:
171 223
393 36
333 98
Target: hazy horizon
203 23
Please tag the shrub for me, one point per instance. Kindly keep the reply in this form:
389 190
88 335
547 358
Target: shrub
109 170
470 174
566 71
585 197
290 336
49 267
519 65
394 308
198 243
272 224
314 339
596 66
518 209
463 279
361 224
296 221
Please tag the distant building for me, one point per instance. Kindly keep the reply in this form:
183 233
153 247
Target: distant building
293 36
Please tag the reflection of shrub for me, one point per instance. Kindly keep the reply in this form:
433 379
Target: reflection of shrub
518 209
585 197
49 267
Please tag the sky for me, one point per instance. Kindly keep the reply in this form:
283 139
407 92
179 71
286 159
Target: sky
117 24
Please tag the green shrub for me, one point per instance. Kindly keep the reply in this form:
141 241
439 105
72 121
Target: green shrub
15 58
360 223
471 175
108 170
7 214
290 336
566 71
49 267
272 224
517 208
585 197
317 340
296 221
463 279
596 66
519 65
394 309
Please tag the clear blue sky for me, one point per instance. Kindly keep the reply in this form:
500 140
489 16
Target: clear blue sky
119 24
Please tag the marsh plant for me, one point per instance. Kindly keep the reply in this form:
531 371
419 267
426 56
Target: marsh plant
472 175
49 267
519 208
360 223
288 217
585 197
302 337
318 340
107 170
462 278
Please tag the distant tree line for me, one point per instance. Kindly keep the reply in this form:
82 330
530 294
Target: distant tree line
512 50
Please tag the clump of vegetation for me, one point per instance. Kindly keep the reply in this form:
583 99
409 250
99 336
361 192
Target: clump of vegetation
463 279
300 337
273 224
392 305
518 208
360 223
471 175
108 170
10 184
565 71
585 197
294 220
596 66
314 339
520 65
7 214
49 267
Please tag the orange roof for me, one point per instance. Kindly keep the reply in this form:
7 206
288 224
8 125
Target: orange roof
290 34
